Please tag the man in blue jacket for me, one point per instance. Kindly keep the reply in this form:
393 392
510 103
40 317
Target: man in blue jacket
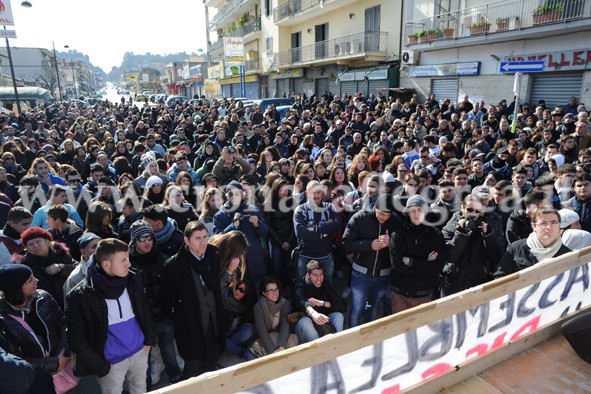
315 224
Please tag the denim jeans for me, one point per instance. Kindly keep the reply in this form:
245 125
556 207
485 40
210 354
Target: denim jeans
280 260
305 327
327 264
238 339
366 291
165 333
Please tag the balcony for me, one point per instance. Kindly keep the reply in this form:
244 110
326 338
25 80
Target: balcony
252 65
361 45
498 18
233 9
219 44
293 12
250 27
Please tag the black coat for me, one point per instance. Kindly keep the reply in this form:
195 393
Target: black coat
306 289
88 321
472 255
178 297
362 229
47 321
518 256
417 242
518 226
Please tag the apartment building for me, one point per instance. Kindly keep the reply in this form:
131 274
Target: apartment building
457 47
308 46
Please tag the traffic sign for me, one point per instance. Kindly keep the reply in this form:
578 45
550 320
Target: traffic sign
524 67
8 33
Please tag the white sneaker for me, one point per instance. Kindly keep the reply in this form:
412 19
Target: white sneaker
179 360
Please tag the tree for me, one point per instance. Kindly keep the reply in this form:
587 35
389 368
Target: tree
48 78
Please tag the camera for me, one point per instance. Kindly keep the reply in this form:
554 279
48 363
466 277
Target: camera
231 150
471 223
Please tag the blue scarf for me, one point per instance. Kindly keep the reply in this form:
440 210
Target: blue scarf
165 234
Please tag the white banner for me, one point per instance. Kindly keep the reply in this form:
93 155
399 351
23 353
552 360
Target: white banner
429 351
234 51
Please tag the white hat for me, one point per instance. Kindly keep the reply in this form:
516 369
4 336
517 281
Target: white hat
153 180
568 217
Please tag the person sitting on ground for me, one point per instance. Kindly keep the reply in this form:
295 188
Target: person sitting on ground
321 303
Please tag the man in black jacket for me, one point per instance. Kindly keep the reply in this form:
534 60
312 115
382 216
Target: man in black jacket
190 294
417 254
367 236
110 326
322 305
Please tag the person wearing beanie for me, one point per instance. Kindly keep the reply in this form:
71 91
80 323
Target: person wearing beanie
147 260
110 326
154 190
87 244
417 255
50 261
12 249
150 169
168 237
22 305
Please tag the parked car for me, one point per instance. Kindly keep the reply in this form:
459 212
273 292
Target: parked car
282 109
279 101
172 100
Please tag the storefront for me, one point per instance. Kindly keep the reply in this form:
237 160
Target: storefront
368 80
287 81
231 87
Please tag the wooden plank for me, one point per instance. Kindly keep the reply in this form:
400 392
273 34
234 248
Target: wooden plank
474 384
552 366
256 372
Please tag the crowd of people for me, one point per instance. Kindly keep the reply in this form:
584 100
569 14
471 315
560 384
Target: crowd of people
138 238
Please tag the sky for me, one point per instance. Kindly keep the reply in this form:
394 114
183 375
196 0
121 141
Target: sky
106 29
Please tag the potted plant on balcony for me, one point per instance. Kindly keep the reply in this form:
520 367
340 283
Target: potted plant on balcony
422 36
448 32
502 24
244 19
480 27
413 38
547 12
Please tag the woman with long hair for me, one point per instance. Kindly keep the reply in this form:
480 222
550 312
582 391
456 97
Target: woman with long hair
177 207
98 220
238 301
11 166
212 201
279 207
232 247
67 152
185 181
359 164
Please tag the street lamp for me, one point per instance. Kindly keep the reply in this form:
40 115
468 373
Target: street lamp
57 72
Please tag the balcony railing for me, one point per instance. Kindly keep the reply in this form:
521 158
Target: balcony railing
294 7
223 12
217 45
495 17
342 47
250 27
251 65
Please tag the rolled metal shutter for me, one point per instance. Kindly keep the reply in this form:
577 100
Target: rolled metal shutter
349 87
227 90
298 85
445 88
282 87
555 88
379 85
322 86
252 90
362 88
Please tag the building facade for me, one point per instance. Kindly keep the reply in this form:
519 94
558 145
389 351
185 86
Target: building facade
457 48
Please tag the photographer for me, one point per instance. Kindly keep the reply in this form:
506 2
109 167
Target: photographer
230 166
472 248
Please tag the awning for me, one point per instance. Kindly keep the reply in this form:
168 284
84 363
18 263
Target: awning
25 93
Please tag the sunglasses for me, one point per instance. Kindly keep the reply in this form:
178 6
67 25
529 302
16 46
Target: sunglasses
241 289
145 238
73 181
472 210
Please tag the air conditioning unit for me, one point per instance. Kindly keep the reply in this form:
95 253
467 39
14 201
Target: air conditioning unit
337 50
410 57
353 47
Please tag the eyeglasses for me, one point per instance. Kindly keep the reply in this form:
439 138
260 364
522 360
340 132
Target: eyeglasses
473 210
275 290
145 238
553 223
73 181
241 289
